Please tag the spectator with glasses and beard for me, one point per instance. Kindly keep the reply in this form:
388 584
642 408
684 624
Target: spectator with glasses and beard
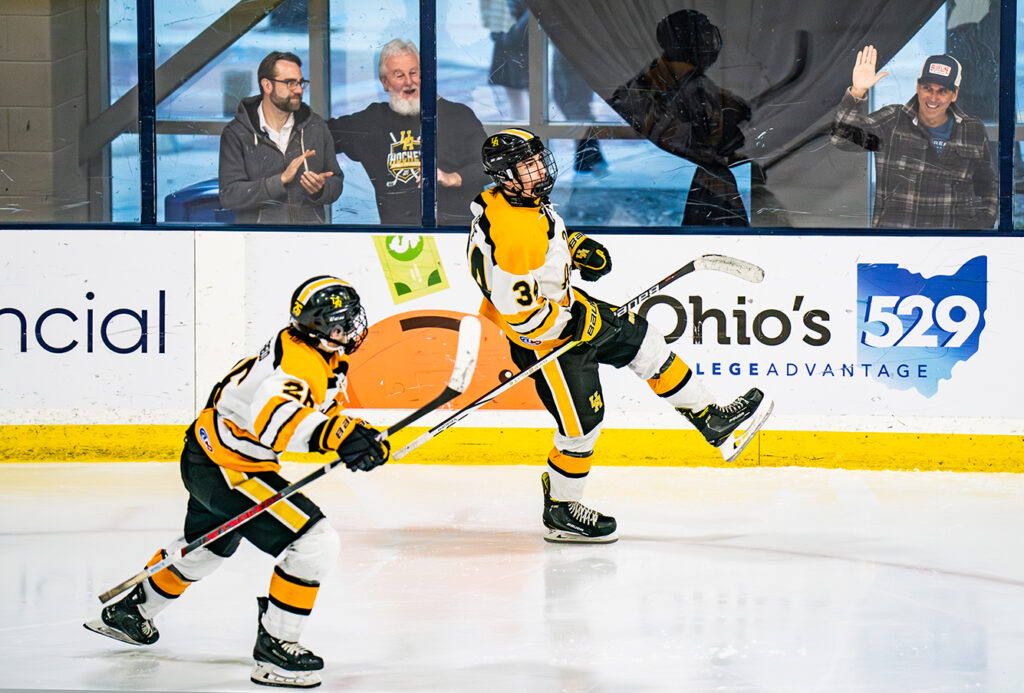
277 161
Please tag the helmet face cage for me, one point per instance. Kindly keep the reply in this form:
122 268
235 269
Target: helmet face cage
325 304
501 153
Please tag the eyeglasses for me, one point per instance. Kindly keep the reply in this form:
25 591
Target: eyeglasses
291 83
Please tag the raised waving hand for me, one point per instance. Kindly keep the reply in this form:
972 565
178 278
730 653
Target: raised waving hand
864 76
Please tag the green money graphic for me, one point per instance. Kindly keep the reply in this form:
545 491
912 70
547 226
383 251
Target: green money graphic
411 265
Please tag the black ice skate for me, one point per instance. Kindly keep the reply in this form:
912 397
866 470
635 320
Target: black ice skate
731 427
282 663
573 522
123 621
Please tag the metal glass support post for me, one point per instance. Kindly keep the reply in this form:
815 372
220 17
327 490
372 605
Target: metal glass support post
1007 126
319 22
428 112
147 111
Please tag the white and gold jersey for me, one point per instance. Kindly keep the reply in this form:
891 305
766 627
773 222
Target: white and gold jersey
275 401
520 259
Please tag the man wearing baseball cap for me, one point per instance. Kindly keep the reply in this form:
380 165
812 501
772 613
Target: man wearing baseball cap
932 163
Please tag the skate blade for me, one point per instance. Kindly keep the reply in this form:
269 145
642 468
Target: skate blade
102 628
266 674
733 446
556 536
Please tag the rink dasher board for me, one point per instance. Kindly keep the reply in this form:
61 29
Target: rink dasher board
891 350
616 447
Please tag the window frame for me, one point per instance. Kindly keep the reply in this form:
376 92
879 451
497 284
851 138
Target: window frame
1009 134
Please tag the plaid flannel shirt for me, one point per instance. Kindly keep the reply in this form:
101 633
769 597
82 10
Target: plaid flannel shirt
915 186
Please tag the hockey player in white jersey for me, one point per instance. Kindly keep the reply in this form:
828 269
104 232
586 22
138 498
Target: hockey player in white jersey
522 258
287 397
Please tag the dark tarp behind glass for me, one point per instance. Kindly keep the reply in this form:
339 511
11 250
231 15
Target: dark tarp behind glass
769 76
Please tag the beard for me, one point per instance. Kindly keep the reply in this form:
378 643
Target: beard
403 106
289 104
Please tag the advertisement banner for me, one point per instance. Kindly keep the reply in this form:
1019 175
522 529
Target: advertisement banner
845 333
96 327
873 334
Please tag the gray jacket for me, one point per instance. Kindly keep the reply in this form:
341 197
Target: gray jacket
251 166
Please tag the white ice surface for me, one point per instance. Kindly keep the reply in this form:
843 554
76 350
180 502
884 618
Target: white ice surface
766 580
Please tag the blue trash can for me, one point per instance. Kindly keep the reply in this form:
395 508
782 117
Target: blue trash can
198 202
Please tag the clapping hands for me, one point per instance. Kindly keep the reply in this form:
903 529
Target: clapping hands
311 182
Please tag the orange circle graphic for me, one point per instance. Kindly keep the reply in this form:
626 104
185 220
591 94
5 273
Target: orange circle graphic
407 359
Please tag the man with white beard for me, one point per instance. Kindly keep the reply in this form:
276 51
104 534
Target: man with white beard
385 139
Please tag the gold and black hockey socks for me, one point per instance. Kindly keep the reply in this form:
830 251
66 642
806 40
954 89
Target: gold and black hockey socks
678 384
291 601
568 473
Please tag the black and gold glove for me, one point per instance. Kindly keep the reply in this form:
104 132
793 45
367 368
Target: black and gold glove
355 442
589 257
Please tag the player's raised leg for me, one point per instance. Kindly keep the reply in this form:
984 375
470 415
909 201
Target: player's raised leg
730 427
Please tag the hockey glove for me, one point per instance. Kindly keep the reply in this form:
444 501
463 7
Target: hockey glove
362 451
355 442
588 327
589 257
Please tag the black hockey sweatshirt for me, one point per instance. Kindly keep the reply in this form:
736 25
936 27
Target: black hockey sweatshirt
388 145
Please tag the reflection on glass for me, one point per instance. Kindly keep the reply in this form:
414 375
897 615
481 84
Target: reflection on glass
507 21
574 98
482 62
734 94
639 186
674 104
72 155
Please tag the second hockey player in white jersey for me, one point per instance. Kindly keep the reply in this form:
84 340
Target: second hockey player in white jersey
522 257
287 397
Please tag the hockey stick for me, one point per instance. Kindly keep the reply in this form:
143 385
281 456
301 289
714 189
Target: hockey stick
462 372
747 271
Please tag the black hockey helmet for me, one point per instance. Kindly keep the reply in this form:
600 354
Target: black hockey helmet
501 153
324 304
689 36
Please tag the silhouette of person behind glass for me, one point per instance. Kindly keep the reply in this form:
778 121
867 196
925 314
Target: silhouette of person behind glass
674 104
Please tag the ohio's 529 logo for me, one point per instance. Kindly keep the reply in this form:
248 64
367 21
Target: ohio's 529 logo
948 323
913 329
